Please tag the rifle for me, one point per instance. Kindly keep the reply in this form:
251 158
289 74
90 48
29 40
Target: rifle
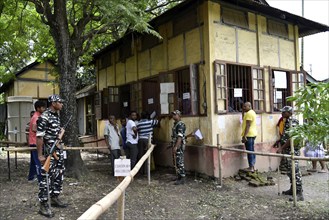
52 152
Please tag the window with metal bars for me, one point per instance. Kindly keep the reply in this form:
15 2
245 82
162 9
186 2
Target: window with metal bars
185 93
237 84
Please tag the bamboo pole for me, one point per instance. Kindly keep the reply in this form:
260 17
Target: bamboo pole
106 202
121 206
275 154
149 161
220 175
293 169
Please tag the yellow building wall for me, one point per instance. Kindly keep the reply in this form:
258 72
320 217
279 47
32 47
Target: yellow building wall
102 79
247 47
269 49
192 45
120 73
176 52
41 71
287 54
110 76
144 60
158 59
131 69
37 82
224 43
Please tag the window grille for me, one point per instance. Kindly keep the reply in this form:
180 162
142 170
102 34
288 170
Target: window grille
235 85
186 95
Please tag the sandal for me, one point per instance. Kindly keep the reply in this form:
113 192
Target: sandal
312 170
322 171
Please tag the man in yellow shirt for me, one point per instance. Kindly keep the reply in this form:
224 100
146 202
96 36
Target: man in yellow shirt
249 133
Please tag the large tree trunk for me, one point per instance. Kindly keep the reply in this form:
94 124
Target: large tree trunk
67 64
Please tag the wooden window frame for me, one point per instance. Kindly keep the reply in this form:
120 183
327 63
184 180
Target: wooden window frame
291 81
91 115
258 90
221 85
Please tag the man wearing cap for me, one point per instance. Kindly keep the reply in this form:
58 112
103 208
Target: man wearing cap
48 128
287 112
178 146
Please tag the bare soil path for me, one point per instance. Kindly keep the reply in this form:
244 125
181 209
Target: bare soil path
199 198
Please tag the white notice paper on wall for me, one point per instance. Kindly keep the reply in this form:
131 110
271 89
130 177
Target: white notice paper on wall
280 79
221 122
237 92
164 98
278 94
258 120
150 101
167 87
121 167
164 108
198 134
125 104
186 95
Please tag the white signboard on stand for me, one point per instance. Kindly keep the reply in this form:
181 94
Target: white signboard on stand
121 167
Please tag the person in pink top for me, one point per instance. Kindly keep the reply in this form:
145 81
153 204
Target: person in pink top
35 165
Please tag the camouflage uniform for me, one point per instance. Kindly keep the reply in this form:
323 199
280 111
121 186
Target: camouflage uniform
283 140
48 127
178 130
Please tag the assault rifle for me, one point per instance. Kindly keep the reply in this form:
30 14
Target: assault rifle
52 152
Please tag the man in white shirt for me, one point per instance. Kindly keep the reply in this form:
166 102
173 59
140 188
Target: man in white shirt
112 139
132 139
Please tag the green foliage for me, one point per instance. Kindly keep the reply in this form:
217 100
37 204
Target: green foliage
26 32
312 102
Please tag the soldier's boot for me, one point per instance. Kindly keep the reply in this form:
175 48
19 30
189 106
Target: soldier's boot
55 201
45 210
299 195
180 181
287 192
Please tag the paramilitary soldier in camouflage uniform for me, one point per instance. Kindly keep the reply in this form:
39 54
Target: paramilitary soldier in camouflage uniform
48 128
285 143
178 146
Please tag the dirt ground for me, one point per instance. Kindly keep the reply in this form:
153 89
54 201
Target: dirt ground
199 198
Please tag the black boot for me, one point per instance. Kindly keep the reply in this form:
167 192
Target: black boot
55 201
287 192
299 195
45 210
180 181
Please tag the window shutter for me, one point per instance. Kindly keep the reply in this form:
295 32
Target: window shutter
105 103
220 88
194 89
98 105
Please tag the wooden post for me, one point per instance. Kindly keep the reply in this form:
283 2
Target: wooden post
279 177
149 161
121 206
220 175
293 167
